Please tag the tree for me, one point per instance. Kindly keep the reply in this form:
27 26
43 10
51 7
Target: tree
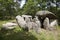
7 9
30 7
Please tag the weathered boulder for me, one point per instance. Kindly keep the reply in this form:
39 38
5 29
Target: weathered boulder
20 21
28 23
53 25
36 25
9 25
28 20
37 21
27 16
46 23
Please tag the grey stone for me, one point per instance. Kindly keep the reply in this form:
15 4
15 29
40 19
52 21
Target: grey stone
9 25
46 23
37 21
46 13
29 25
27 16
20 21
53 25
36 25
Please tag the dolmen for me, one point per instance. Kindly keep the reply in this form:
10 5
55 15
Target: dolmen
48 19
43 19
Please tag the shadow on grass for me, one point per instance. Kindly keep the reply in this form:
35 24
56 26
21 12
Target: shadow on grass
20 35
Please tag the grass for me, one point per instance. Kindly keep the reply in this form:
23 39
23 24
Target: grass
18 34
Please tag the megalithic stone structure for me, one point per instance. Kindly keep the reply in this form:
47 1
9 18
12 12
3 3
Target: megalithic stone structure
37 25
43 14
53 25
21 22
46 23
28 20
28 23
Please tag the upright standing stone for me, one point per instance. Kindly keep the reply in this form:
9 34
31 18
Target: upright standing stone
35 27
53 25
46 23
29 23
37 24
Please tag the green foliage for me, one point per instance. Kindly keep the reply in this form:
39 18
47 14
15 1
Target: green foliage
30 7
7 8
